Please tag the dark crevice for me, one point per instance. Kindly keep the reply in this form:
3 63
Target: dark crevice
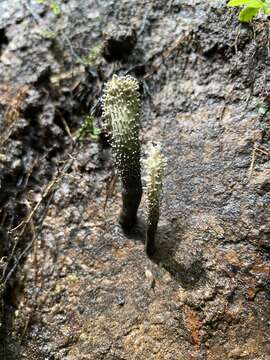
3 39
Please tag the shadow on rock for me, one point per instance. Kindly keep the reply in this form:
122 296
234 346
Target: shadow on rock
137 233
186 267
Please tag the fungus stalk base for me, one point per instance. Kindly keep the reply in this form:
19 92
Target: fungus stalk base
131 198
150 238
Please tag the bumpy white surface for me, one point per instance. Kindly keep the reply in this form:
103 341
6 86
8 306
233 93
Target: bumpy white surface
121 113
154 164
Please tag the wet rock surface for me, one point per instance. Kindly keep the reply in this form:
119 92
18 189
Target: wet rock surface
118 43
90 292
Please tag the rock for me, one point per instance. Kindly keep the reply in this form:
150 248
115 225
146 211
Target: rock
119 43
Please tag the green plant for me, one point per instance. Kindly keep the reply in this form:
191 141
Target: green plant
155 164
121 114
47 34
92 56
251 8
53 4
88 129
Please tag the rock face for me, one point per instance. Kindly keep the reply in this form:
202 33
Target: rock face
119 43
90 292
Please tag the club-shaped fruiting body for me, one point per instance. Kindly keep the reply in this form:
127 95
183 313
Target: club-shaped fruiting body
121 113
155 164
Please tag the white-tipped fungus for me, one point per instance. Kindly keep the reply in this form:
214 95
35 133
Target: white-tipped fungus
121 112
121 108
155 164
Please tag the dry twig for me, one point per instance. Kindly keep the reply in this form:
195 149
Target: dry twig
257 149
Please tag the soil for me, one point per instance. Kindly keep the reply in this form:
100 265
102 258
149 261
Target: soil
74 286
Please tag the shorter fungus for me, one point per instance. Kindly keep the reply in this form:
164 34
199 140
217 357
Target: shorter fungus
155 164
121 113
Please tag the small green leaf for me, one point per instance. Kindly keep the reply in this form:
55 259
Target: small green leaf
47 34
88 129
92 56
55 8
247 14
238 2
256 4
95 134
266 9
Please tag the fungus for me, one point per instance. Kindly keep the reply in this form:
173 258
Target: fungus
155 165
121 113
